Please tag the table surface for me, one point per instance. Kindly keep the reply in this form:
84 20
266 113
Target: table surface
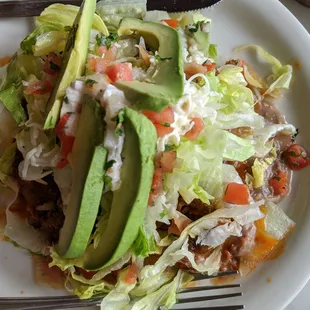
302 13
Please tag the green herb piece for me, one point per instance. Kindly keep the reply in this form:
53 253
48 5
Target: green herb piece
169 147
106 40
90 82
119 119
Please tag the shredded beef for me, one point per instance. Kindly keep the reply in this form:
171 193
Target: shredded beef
42 203
196 209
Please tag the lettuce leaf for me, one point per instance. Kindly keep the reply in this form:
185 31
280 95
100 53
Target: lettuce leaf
61 14
144 245
155 16
165 297
30 41
10 97
118 298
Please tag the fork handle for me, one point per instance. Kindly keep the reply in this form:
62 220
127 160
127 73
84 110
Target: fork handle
30 7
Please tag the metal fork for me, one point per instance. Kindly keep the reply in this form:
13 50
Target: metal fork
64 302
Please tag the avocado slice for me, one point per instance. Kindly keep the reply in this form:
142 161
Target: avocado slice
167 84
74 60
131 199
88 161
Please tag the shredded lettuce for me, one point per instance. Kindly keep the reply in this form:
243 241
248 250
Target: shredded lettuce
112 11
281 75
262 137
260 166
202 229
277 223
155 16
165 297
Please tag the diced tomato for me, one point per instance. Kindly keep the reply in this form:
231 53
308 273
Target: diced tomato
237 194
173 23
157 184
131 275
210 66
38 88
296 157
102 50
66 141
144 55
193 133
279 183
52 64
110 55
101 65
193 68
163 130
91 64
119 72
165 116
178 225
167 161
5 60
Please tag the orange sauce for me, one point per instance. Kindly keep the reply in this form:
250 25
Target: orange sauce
5 60
269 280
297 64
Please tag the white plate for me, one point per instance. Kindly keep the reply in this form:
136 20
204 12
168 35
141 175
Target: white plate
269 24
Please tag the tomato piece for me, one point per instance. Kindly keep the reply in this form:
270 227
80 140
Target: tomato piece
162 130
210 66
279 183
157 184
193 68
296 157
193 133
101 65
165 116
237 194
119 72
5 60
102 50
39 88
52 64
131 275
167 161
110 55
173 23
66 141
178 225
91 64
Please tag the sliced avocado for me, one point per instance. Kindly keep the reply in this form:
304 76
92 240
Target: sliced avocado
167 84
88 161
74 60
131 199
